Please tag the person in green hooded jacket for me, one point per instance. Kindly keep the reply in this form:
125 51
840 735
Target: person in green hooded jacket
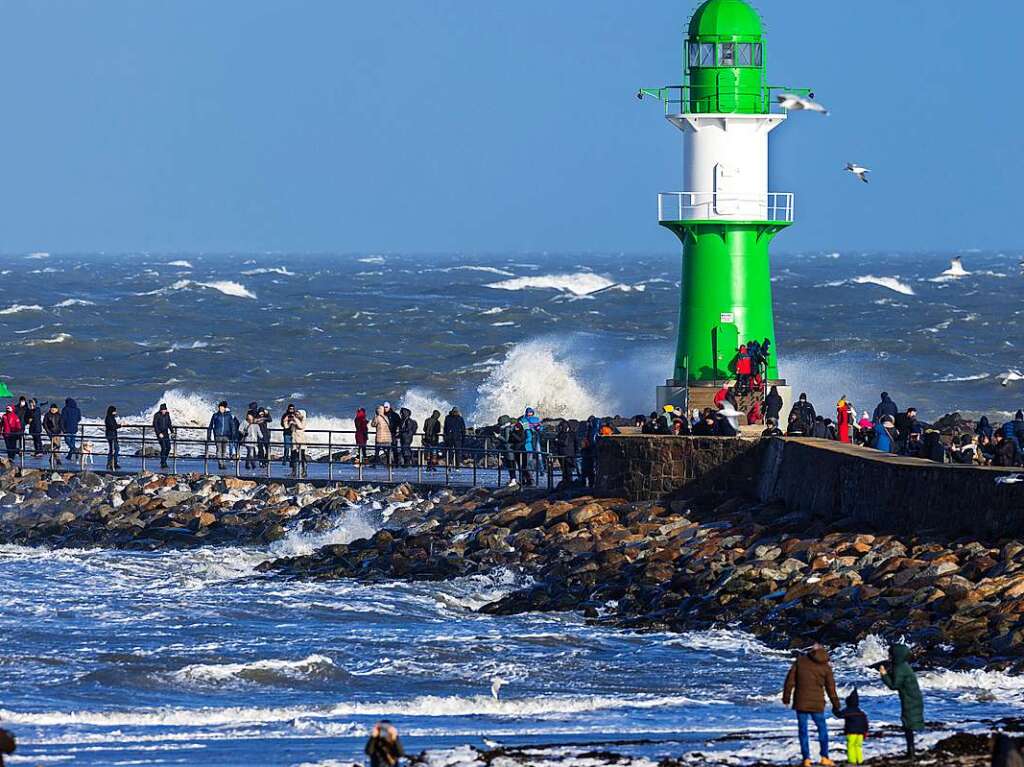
901 678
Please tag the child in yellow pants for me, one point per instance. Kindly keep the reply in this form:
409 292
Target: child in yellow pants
855 749
855 726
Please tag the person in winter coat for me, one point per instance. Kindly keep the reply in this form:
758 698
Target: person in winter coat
263 421
298 458
51 424
10 427
532 424
517 443
795 427
744 370
454 437
680 427
395 423
885 436
899 676
384 747
932 448
33 423
286 434
855 728
772 429
727 422
21 409
431 439
162 429
885 407
773 405
566 444
1009 431
221 432
503 437
1005 452
588 451
809 680
382 435
407 429
819 430
844 415
754 415
805 413
70 418
362 434
110 428
906 424
249 435
984 427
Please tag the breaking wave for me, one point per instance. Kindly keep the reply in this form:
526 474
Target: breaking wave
18 308
890 283
576 283
227 287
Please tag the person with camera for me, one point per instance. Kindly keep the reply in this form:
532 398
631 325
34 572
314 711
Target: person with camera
384 747
808 681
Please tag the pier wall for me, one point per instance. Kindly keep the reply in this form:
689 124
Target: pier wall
842 484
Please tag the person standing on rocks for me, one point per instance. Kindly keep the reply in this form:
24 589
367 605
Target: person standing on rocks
70 418
110 428
162 428
899 676
51 423
384 746
382 435
221 432
808 681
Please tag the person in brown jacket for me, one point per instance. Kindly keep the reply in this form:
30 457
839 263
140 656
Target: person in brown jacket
808 681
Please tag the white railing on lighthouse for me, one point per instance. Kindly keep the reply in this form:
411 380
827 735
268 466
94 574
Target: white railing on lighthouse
710 206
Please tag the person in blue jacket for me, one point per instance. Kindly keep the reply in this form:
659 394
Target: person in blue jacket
70 418
531 423
221 431
885 437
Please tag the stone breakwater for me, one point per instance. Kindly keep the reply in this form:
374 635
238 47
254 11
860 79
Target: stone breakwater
150 511
677 566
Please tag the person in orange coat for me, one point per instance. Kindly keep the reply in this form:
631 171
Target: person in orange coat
844 411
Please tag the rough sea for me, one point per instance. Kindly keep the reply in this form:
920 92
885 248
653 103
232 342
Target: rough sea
116 658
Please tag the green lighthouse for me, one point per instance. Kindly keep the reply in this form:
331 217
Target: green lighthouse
726 217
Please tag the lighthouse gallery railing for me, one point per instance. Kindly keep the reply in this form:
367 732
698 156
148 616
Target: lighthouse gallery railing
699 206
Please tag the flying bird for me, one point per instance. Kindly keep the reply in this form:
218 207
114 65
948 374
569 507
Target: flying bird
1011 375
496 684
858 170
492 744
794 103
1009 479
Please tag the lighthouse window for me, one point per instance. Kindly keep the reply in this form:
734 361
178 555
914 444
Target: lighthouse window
694 54
743 58
756 57
727 55
707 54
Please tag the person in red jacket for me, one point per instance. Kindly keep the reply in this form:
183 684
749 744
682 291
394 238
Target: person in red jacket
11 429
844 416
362 434
744 370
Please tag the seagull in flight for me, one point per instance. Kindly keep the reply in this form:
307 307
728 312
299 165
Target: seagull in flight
492 744
858 170
1011 375
496 684
792 102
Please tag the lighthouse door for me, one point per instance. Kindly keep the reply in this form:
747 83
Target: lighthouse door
727 337
724 186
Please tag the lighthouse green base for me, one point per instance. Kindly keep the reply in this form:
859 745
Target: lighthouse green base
726 296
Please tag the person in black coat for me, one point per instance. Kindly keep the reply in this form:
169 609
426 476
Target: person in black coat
33 423
773 405
772 429
885 407
984 427
162 428
407 428
110 428
395 424
70 418
454 437
567 444
52 427
932 448
517 444
1005 453
804 412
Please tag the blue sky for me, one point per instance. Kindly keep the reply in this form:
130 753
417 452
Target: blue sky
482 127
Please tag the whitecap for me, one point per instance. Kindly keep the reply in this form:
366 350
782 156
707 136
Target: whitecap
891 283
57 339
17 308
270 270
181 262
576 283
371 260
74 302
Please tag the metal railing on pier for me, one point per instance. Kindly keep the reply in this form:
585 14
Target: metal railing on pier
322 455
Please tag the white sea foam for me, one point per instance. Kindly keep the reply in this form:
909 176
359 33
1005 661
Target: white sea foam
493 310
951 378
18 308
177 346
270 270
215 674
39 255
891 283
227 287
57 339
487 269
74 302
371 260
181 262
576 283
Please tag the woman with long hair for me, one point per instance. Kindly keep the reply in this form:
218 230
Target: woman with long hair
110 427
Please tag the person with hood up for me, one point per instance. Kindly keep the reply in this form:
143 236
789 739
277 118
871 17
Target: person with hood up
431 439
395 424
33 422
531 422
809 680
566 444
1005 452
110 428
1009 430
221 432
51 424
885 407
984 427
454 430
773 405
503 435
820 429
381 435
899 676
70 418
855 728
885 435
680 427
384 747
162 429
845 413
517 444
932 448
10 427
804 411
362 434
298 426
795 427
407 428
650 425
